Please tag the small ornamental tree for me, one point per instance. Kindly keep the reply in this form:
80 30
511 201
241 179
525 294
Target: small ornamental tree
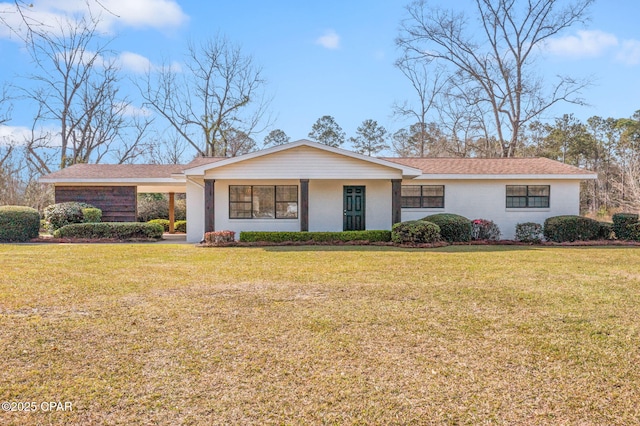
482 229
529 232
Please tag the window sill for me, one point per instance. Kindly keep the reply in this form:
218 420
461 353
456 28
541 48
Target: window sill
528 209
264 219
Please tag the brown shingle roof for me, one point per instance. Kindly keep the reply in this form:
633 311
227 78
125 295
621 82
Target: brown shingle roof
126 171
490 166
116 171
429 166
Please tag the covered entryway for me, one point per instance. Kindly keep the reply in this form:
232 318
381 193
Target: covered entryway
354 208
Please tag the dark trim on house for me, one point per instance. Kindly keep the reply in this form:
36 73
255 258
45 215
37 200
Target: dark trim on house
209 205
396 201
304 205
118 203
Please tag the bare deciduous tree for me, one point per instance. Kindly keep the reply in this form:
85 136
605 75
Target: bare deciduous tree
427 83
218 95
76 90
496 65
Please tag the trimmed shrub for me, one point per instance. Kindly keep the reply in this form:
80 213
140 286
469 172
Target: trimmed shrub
219 237
529 232
111 230
180 226
162 222
482 229
318 237
415 232
62 214
621 221
571 228
606 231
18 223
633 231
453 227
91 215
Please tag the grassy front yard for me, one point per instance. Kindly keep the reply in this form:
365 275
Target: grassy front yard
173 334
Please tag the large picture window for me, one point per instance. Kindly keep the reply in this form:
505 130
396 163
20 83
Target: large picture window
528 196
263 202
423 196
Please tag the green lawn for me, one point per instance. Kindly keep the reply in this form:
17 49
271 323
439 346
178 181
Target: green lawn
174 334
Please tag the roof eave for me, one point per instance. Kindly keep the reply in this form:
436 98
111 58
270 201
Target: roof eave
462 176
142 181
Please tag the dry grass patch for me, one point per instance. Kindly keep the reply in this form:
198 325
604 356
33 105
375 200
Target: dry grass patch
173 334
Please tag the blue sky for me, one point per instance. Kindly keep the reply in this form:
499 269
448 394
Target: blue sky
336 57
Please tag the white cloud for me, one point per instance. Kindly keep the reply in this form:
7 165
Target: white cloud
134 62
133 111
13 134
158 14
584 44
19 135
330 40
629 52
139 64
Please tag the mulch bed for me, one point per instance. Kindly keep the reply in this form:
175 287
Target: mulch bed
433 245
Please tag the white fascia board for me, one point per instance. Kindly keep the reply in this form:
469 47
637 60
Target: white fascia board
504 177
201 170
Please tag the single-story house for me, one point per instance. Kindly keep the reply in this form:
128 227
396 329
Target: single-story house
306 186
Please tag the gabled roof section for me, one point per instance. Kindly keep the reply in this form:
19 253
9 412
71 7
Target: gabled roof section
464 168
200 170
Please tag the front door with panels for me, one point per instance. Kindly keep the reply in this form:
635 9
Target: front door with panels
354 208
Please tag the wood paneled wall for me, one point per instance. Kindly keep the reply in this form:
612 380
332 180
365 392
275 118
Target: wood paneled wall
118 203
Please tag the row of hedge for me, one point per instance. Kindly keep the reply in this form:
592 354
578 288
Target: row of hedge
111 230
316 237
577 228
178 225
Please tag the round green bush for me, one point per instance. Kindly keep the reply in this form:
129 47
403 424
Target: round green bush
61 214
163 222
529 232
415 232
569 228
18 223
621 222
453 228
633 231
180 226
91 215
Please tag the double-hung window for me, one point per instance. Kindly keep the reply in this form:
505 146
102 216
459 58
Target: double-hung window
263 202
423 196
528 196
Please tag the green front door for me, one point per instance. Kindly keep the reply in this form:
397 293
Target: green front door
353 208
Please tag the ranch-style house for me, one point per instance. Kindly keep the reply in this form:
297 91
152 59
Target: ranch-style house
307 186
